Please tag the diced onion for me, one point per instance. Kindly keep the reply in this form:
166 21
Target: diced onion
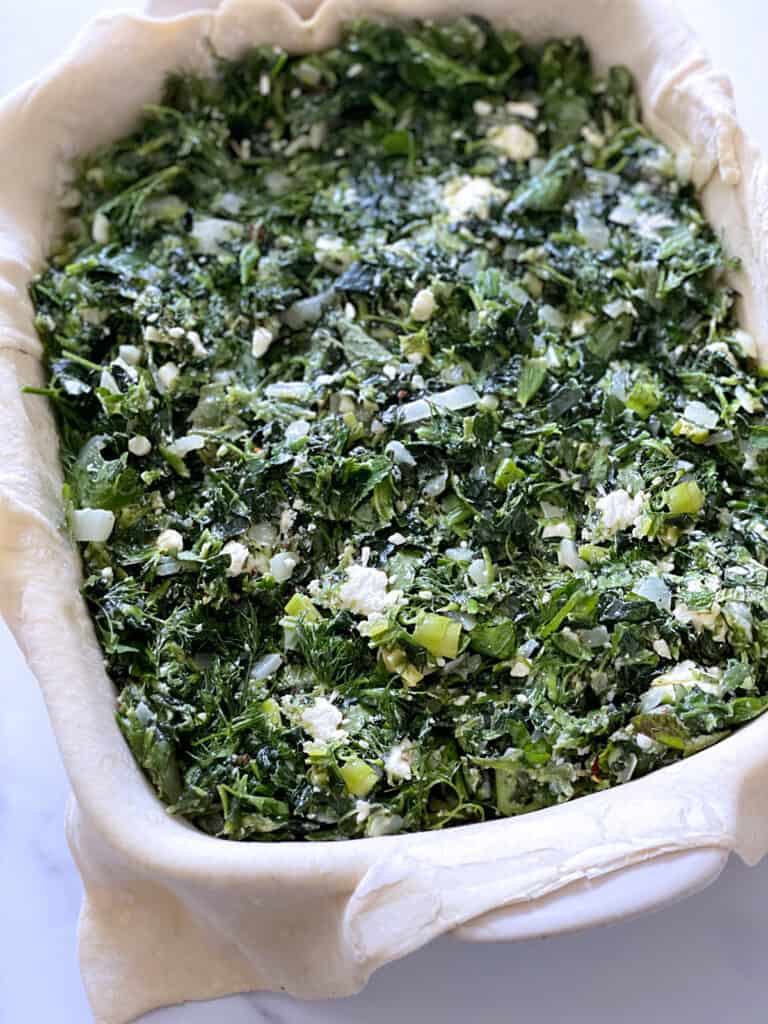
211 232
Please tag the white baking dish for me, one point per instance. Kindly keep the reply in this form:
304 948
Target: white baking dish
173 914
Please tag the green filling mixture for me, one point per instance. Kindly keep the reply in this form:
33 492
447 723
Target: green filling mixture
417 457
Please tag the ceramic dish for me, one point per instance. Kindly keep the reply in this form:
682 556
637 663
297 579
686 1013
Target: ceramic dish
172 914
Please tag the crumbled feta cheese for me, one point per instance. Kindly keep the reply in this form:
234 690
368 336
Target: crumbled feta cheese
592 136
130 354
287 519
282 564
210 233
482 108
561 529
264 84
396 538
322 720
399 453
362 811
92 524
662 648
169 542
332 252
521 667
580 323
514 141
618 510
238 556
154 334
522 109
479 572
100 228
365 591
619 307
261 339
466 196
139 445
198 349
398 761
182 446
167 375
423 305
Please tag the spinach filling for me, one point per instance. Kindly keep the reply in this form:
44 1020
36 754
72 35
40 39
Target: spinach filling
416 455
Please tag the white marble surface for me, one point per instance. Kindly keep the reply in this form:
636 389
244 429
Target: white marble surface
701 960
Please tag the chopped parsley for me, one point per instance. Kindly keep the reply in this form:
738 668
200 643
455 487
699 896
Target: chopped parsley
418 460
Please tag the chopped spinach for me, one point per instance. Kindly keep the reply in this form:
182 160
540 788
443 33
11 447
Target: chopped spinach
418 460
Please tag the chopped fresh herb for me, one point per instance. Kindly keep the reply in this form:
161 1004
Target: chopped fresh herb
418 461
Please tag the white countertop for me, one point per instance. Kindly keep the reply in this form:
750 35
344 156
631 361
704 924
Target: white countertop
702 960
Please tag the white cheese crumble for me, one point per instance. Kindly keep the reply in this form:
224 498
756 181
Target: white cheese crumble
238 556
169 542
210 233
365 591
92 524
362 811
322 720
398 762
662 648
167 375
466 196
619 307
281 565
198 349
139 445
514 141
332 252
423 305
261 339
100 228
618 510
482 108
130 354
522 109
